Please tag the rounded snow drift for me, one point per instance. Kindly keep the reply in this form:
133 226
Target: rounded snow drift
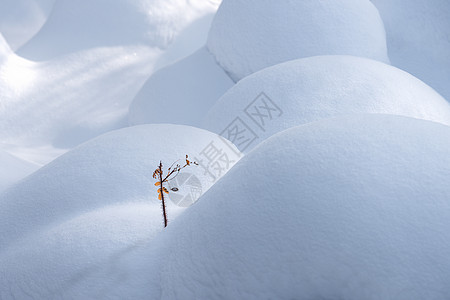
60 258
247 36
310 89
115 168
344 208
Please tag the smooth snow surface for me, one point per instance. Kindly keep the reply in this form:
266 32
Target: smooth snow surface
13 169
77 25
418 36
52 263
247 36
20 20
347 208
115 168
181 93
309 89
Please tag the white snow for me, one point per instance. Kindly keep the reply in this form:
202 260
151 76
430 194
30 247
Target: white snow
181 93
115 168
343 191
247 36
347 208
309 89
20 20
77 25
418 37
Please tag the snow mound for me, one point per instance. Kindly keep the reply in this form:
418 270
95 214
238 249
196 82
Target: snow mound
75 26
56 260
20 20
181 93
418 36
115 168
309 89
247 36
345 208
13 169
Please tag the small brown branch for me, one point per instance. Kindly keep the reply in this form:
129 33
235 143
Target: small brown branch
162 193
158 175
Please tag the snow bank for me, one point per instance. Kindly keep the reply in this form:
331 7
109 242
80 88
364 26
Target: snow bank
348 208
247 36
115 168
418 36
181 93
13 169
21 19
83 24
310 89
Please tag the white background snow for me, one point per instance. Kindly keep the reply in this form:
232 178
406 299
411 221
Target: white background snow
321 129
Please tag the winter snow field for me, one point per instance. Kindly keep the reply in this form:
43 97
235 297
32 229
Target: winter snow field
309 145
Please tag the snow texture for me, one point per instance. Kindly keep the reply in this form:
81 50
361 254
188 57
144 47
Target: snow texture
418 37
348 208
77 25
113 169
181 93
309 89
247 36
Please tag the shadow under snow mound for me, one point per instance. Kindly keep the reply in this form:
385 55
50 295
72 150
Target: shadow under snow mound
115 168
344 208
75 26
66 101
247 36
13 169
310 89
181 93
418 37
20 20
5 50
